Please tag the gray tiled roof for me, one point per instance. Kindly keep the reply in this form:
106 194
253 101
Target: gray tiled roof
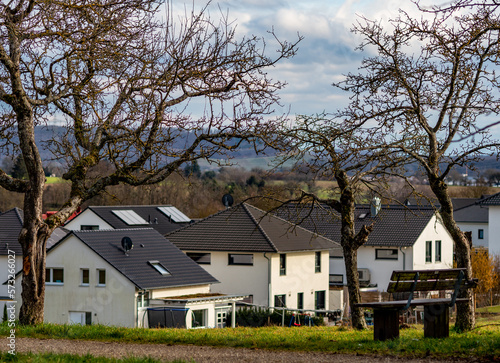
244 228
491 200
467 210
150 213
395 225
149 245
11 222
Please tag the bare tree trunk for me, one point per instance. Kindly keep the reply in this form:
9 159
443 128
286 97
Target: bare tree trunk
34 233
465 311
350 243
352 276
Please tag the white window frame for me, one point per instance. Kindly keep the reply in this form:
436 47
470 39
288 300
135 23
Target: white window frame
49 276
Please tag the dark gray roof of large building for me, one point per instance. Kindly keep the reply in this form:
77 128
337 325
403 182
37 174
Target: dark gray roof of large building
394 225
149 245
150 213
244 228
468 210
11 222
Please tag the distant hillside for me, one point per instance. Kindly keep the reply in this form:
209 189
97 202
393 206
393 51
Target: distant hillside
244 157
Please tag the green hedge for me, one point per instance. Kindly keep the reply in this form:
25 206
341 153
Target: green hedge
257 317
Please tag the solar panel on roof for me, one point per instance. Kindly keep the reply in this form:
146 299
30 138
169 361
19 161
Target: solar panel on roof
130 217
175 214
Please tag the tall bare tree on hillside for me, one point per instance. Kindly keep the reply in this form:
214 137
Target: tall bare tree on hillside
123 82
432 84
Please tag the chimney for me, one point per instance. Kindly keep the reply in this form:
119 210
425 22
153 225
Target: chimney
375 206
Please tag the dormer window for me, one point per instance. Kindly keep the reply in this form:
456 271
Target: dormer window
160 268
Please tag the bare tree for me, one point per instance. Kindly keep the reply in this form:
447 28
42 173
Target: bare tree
122 80
432 84
358 162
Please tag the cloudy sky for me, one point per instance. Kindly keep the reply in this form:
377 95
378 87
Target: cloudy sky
325 53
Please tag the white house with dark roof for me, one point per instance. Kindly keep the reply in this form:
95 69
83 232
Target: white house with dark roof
123 278
403 238
492 203
472 217
251 252
11 252
163 218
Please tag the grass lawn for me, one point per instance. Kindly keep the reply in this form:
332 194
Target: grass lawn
53 180
489 309
88 358
482 343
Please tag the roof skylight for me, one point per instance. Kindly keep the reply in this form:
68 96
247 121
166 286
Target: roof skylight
160 268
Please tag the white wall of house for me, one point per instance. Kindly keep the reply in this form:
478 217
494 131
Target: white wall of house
494 230
5 269
254 279
474 228
87 218
112 304
300 277
435 231
409 258
240 279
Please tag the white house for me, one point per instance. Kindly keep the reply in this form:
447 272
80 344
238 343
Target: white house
11 254
472 217
123 278
492 203
251 252
11 222
403 238
163 218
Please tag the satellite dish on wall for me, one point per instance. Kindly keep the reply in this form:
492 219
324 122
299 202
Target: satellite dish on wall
227 200
127 244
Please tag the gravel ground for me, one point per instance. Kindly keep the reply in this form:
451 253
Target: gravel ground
199 354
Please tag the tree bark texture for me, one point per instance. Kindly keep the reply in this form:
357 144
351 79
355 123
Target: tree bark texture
465 312
350 242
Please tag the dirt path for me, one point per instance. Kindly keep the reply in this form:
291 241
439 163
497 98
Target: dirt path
199 354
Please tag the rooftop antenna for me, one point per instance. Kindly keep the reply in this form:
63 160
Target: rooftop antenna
127 244
227 200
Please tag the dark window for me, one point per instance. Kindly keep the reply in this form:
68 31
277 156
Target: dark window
85 276
101 277
282 264
279 301
386 254
199 318
240 259
200 258
336 279
437 251
480 233
317 262
89 228
300 300
319 300
54 275
88 318
428 251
